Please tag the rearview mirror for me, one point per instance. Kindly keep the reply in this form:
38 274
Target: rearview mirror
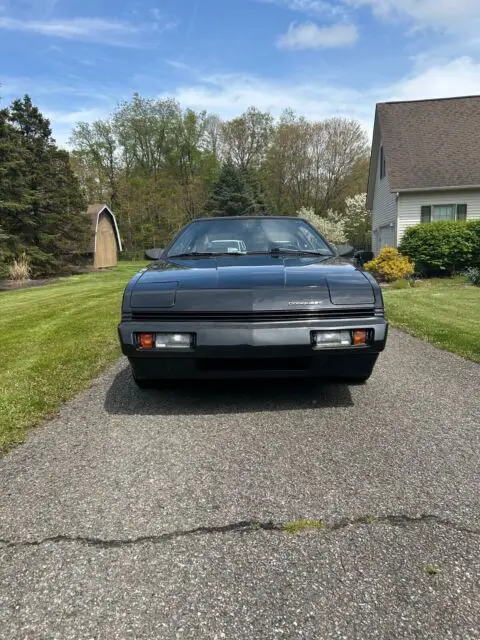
154 254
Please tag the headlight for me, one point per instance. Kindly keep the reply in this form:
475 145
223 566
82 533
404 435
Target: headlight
328 339
165 340
331 339
173 340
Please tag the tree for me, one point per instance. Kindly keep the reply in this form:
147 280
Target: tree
15 196
96 158
345 144
192 163
230 195
287 177
313 164
246 138
41 201
146 131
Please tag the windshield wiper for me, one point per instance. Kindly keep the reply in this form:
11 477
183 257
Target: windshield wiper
207 254
295 252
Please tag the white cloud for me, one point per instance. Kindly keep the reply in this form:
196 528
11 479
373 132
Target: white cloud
441 14
308 35
311 7
86 29
228 95
64 103
457 77
63 122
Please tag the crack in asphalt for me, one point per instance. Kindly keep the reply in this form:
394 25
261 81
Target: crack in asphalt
244 526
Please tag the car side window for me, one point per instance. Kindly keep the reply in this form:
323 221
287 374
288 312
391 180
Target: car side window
308 239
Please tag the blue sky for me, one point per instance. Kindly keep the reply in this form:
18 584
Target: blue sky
79 58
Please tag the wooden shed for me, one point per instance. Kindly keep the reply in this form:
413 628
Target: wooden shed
106 242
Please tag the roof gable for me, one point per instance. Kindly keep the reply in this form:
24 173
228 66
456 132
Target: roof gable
94 212
429 144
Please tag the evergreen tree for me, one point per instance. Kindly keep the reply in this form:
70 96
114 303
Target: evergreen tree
254 185
41 203
231 195
15 197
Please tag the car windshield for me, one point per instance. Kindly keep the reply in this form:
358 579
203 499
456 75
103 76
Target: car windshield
249 235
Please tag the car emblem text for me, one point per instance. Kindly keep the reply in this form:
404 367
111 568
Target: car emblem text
305 302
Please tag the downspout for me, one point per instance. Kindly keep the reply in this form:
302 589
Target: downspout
397 198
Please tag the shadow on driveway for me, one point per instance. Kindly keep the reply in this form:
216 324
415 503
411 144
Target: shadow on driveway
200 397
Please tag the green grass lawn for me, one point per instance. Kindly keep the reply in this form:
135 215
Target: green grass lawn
444 312
54 340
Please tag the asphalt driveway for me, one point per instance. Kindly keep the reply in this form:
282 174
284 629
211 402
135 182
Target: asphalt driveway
160 514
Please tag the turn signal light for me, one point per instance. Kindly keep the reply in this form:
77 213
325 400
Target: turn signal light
360 336
146 340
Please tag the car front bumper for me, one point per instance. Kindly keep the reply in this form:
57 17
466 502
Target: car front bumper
264 350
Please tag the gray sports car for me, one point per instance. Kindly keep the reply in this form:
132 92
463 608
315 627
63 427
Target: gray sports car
242 297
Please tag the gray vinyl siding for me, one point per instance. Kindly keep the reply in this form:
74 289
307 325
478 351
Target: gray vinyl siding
410 205
384 211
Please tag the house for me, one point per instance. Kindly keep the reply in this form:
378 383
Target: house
105 239
424 166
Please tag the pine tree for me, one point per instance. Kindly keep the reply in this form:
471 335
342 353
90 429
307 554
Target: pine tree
230 196
45 204
254 186
15 197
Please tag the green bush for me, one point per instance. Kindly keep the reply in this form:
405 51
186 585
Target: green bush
442 248
474 226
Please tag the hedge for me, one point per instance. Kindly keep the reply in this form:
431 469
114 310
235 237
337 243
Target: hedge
442 248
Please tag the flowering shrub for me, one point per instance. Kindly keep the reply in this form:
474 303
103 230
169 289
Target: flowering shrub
390 265
330 227
358 221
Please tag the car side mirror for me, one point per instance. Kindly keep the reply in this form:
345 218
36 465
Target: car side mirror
361 257
344 250
154 254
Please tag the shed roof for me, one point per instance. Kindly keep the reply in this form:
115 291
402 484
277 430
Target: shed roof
93 212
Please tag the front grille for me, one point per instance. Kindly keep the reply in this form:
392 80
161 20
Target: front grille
254 364
250 316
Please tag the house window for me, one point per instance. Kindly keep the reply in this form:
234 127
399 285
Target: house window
442 212
383 164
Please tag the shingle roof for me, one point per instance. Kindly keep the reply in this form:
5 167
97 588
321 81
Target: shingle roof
431 143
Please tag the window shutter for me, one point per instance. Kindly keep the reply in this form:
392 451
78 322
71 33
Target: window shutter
426 215
461 212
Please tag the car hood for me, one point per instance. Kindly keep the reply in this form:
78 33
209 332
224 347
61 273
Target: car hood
258 282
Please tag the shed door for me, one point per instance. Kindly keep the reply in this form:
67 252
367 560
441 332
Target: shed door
386 237
106 251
